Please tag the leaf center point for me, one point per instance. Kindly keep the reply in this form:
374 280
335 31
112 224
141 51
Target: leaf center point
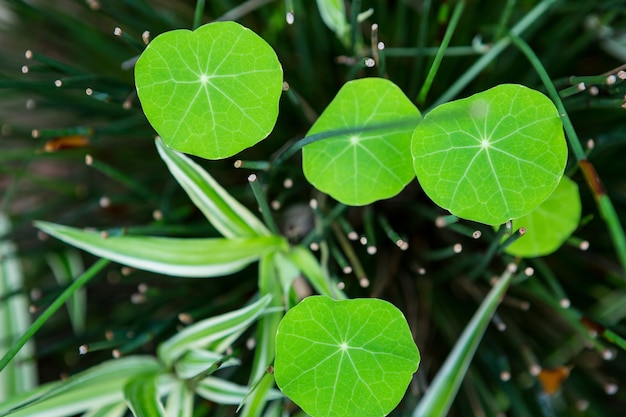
343 346
204 79
485 143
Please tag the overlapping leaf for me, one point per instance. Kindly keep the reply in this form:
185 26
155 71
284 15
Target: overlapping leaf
491 157
368 159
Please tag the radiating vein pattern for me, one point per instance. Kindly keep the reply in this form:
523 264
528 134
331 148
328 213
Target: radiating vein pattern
492 157
344 358
212 92
369 164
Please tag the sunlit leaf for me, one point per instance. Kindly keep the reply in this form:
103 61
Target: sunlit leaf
212 92
372 161
345 358
491 157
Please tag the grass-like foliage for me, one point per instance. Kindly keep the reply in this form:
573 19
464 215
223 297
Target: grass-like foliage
396 201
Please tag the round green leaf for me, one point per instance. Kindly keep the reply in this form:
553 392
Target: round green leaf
550 224
372 162
212 92
491 157
344 358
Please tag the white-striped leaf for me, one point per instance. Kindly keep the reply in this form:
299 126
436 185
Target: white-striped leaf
111 410
225 392
198 361
211 331
226 214
180 401
19 375
142 398
97 387
209 257
66 266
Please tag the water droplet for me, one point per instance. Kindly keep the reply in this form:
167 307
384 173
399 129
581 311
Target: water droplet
477 234
347 269
290 18
364 282
288 183
145 37
371 250
458 248
529 271
565 303
381 46
369 62
117 31
58 83
611 79
116 353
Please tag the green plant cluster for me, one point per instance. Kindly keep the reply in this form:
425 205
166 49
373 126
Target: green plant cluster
491 171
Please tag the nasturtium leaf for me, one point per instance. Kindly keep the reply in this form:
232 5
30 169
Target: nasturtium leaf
344 358
212 92
491 157
372 161
550 224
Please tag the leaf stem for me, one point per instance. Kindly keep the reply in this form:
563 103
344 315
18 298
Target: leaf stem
605 206
61 299
438 399
458 10
467 76
197 17
263 205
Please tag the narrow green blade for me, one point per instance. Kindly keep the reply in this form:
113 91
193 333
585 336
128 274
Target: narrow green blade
445 386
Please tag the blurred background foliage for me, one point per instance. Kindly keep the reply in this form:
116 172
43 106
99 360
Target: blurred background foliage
72 98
